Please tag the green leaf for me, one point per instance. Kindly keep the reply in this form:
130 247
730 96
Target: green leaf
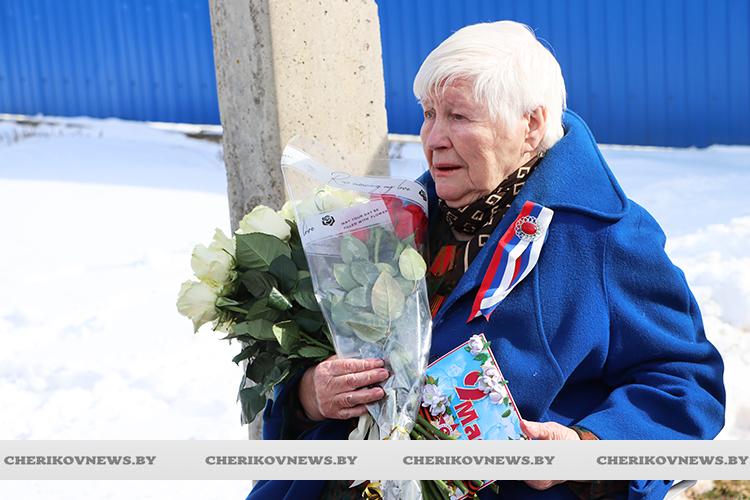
364 272
387 298
344 276
259 329
309 321
406 286
357 297
278 373
287 334
327 332
384 267
253 401
260 366
226 301
284 270
368 327
353 249
305 296
506 414
258 283
278 301
314 352
246 353
482 357
260 310
258 250
298 256
431 380
340 314
411 264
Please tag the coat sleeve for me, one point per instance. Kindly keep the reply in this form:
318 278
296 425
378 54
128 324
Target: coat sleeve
665 377
282 418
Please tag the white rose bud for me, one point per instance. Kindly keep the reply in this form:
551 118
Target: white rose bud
197 300
222 242
329 198
211 265
287 211
265 220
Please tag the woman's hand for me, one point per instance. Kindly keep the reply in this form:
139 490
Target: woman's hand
335 388
547 431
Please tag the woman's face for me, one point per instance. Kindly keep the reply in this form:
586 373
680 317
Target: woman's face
468 154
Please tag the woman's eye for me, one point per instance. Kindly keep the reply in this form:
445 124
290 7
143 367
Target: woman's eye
429 113
455 116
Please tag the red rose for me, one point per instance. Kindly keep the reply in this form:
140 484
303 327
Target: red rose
362 234
392 203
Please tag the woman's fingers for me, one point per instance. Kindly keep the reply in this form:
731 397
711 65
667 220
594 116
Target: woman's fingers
347 404
353 412
352 381
338 366
548 431
332 389
361 397
542 485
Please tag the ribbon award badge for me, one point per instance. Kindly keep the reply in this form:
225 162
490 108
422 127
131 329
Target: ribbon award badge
515 256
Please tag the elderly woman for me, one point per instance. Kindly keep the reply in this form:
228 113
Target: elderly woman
601 340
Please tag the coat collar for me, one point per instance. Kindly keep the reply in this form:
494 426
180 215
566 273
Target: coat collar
572 176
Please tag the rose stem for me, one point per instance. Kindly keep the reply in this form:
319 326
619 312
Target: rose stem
438 433
423 431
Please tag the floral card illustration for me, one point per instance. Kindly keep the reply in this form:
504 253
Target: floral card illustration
467 397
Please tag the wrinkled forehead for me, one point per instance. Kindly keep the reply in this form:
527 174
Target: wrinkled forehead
456 91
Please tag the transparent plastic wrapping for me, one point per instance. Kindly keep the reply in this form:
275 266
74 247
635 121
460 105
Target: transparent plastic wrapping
365 242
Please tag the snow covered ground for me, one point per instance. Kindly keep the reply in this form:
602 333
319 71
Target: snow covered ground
98 221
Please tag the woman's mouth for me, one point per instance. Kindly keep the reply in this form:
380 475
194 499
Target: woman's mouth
445 168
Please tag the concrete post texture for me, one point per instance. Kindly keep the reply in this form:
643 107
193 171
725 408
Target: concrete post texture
290 67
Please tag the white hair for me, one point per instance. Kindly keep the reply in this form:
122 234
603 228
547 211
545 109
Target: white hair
509 69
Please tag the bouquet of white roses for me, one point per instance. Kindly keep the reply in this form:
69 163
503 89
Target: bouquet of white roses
364 238
256 287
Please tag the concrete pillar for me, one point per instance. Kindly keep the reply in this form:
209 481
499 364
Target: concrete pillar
296 67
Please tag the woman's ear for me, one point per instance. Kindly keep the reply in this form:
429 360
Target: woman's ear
535 129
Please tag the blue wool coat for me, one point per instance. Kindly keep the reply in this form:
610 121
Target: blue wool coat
603 333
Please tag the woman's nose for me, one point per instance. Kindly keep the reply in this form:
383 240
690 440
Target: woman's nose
437 136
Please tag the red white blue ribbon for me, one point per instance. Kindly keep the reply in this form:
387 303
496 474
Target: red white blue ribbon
515 256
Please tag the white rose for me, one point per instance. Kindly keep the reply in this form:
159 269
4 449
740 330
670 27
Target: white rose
287 211
476 345
491 372
437 408
222 242
484 384
430 395
196 300
265 220
496 397
329 198
213 266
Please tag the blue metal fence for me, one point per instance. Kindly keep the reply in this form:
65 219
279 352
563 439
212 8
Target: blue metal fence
654 72
136 59
657 72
